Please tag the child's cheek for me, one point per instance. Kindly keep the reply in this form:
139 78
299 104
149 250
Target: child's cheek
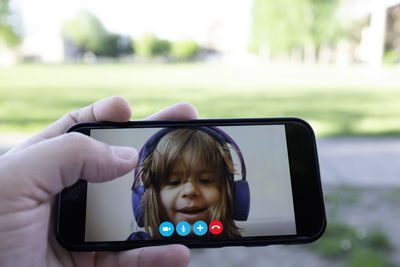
168 197
211 195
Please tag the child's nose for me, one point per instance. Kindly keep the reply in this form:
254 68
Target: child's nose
189 189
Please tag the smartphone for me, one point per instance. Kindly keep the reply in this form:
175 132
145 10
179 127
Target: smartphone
201 183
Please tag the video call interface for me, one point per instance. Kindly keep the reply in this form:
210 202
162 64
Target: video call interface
193 183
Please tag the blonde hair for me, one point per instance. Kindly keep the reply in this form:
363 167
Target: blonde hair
158 165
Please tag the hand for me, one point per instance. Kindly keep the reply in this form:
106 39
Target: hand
34 172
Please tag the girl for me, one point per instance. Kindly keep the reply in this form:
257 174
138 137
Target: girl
188 177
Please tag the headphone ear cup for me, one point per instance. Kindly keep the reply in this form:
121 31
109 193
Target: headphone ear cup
138 211
241 200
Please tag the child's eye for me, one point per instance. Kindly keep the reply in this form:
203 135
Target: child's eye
173 182
205 181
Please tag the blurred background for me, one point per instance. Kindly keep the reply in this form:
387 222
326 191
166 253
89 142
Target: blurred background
334 63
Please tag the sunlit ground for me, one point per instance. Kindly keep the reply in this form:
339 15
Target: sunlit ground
336 101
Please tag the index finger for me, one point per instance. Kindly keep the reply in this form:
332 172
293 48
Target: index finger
114 108
179 111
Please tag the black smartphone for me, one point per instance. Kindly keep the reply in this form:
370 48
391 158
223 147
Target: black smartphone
202 183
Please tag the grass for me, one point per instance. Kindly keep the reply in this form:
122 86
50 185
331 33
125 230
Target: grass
394 195
364 239
358 247
352 101
344 195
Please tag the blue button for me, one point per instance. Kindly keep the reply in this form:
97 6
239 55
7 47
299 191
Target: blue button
183 228
200 228
166 229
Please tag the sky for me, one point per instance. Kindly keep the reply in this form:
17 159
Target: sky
172 19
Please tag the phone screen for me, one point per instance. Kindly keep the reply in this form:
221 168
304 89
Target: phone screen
194 183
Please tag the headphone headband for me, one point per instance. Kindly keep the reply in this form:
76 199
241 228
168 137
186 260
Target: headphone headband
215 132
236 147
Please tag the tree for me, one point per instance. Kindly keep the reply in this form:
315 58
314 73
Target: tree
115 45
392 36
161 47
286 24
89 34
184 50
325 28
86 31
278 25
7 34
149 46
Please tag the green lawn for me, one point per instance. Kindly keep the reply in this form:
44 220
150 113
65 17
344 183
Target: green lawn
346 101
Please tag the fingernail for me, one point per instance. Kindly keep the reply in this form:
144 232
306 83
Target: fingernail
124 153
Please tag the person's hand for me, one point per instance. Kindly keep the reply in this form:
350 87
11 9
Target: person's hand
34 172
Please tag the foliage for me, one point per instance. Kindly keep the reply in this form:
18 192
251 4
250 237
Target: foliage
367 258
331 243
347 195
392 36
278 25
114 45
150 46
324 27
86 31
89 34
286 24
7 34
354 244
391 57
184 50
161 47
144 45
394 195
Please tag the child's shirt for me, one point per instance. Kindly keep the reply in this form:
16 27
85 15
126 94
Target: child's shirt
139 235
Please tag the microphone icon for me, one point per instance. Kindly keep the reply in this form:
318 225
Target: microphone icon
183 228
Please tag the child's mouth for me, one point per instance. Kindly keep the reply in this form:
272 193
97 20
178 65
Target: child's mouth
191 214
191 210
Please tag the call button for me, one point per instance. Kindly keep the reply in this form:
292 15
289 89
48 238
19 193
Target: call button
166 229
183 228
216 227
200 228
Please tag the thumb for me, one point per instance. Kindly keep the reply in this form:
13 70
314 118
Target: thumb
171 255
44 169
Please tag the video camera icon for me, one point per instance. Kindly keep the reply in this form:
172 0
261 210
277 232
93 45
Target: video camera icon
166 229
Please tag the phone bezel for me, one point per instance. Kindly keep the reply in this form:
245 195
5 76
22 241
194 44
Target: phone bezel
305 179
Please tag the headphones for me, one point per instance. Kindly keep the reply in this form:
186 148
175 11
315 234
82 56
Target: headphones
241 191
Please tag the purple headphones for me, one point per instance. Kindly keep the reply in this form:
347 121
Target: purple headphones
241 191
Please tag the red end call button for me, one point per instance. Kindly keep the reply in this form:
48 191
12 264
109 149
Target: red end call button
215 227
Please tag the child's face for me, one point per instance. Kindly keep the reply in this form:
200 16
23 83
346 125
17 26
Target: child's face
189 197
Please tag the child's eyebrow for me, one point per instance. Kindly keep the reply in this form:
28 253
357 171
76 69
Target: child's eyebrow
205 171
201 171
177 172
